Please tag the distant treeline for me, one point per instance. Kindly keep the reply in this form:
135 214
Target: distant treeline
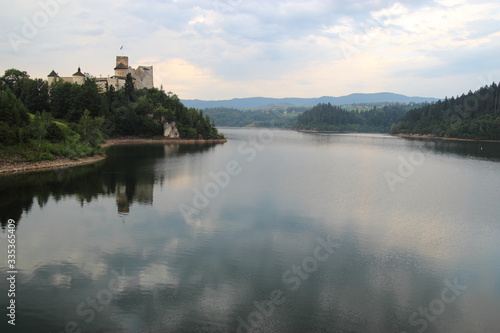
282 118
328 117
472 116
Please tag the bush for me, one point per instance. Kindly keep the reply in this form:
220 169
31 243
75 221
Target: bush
69 131
8 135
188 132
54 133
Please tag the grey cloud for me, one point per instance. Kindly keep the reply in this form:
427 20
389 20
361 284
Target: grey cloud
472 61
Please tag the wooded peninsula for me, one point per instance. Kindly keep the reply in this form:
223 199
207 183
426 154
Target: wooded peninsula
65 120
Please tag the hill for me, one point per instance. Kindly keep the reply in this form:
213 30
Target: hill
266 117
332 118
39 122
260 102
472 116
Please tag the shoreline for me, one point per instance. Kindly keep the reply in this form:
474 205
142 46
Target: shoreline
430 136
316 131
410 136
13 168
135 140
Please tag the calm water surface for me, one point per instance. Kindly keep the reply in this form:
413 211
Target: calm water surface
274 231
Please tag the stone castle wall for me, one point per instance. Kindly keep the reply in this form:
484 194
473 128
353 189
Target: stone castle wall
143 76
122 60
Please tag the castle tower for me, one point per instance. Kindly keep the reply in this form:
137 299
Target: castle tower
121 68
78 77
52 77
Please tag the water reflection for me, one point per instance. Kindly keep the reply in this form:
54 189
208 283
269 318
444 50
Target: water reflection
396 248
129 173
474 149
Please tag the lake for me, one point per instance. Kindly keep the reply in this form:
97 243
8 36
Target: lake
273 231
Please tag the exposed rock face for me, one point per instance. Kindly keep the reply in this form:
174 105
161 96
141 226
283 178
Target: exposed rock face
170 130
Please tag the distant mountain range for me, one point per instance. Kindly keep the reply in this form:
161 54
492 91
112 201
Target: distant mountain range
260 102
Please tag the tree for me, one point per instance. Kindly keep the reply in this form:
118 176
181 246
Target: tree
90 130
129 88
38 127
34 94
12 77
110 97
13 117
92 100
469 116
12 110
59 99
54 133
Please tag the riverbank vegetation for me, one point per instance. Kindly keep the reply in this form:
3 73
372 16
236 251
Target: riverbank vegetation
65 120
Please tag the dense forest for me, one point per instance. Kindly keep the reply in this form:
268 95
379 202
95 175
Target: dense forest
472 116
264 117
38 121
328 117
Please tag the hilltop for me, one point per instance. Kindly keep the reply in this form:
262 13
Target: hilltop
260 102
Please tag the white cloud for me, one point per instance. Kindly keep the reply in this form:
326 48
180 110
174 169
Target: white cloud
234 48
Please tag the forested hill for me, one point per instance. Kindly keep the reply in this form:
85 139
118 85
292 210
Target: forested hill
472 116
124 112
328 117
260 102
38 121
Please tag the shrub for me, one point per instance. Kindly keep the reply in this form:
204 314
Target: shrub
54 133
8 135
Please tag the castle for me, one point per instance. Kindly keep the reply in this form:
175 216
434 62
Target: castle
142 76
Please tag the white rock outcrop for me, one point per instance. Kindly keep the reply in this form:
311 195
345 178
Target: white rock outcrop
170 130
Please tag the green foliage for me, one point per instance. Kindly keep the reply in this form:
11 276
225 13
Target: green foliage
92 98
54 133
12 78
60 99
145 113
127 112
129 89
187 132
38 127
13 117
327 117
12 111
68 101
34 94
472 116
8 134
90 130
265 117
36 137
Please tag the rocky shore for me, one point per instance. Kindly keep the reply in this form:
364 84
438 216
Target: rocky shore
25 167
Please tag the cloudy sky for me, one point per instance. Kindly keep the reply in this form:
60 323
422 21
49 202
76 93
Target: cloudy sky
222 49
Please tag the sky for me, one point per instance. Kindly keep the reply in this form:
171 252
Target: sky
224 49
